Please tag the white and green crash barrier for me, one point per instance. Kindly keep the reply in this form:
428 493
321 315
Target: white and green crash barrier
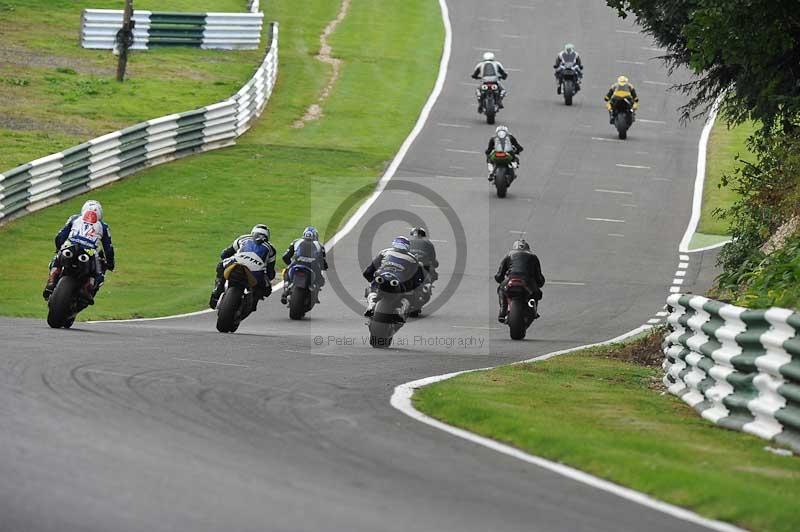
739 368
100 161
227 31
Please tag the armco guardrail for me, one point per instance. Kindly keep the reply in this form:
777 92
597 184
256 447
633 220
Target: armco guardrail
738 368
226 31
100 161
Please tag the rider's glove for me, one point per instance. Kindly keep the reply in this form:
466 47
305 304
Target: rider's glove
635 105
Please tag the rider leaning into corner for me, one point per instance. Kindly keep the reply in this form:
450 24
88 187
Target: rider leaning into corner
424 250
309 251
623 89
565 57
490 70
504 141
256 243
519 262
89 230
398 262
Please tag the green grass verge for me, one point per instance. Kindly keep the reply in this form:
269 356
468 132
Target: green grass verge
723 147
170 222
62 95
609 417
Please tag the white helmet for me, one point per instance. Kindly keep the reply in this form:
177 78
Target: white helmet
92 206
260 233
488 56
501 131
569 48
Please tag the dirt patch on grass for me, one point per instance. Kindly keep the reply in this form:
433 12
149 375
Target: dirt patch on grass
644 351
314 111
15 55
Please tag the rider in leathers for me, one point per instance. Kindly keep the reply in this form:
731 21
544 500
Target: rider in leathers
89 230
490 70
425 252
519 262
396 262
502 140
256 242
566 56
623 89
310 252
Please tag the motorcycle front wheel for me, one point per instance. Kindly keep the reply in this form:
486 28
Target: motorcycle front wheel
59 306
569 91
621 122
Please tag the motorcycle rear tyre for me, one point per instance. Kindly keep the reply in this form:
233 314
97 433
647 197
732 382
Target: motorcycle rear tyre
516 320
297 303
226 310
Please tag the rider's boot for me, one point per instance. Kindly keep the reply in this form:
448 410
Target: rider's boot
611 117
216 293
372 300
52 278
558 87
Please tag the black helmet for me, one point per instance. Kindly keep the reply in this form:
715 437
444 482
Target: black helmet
418 231
521 244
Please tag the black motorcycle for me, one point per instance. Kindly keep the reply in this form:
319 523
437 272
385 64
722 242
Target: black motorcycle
302 290
71 294
489 96
521 307
238 300
390 312
503 173
569 78
622 112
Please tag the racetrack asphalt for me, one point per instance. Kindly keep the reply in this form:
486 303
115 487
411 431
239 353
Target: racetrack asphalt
286 426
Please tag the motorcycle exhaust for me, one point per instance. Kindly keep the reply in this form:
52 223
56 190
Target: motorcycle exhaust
83 257
394 283
67 253
532 303
380 280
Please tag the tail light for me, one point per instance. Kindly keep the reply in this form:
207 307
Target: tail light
501 154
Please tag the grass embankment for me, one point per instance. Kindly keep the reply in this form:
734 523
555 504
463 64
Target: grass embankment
724 146
597 411
170 222
56 94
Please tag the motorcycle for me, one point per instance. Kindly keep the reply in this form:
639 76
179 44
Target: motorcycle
569 78
521 307
624 116
390 311
502 168
238 300
69 297
489 95
302 290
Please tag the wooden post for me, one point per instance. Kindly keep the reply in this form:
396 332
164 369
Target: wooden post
125 39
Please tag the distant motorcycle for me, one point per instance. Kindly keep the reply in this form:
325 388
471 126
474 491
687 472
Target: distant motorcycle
569 78
521 307
390 311
503 171
68 299
622 111
489 94
238 300
303 289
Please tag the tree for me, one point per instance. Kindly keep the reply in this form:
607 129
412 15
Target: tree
750 48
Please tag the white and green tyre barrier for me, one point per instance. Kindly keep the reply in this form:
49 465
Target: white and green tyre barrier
100 161
738 368
227 31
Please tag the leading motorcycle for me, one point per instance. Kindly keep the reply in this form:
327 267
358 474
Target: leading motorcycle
569 78
489 95
74 284
521 307
391 309
238 300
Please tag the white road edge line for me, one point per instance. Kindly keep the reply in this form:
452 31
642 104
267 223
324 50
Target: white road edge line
611 220
699 180
636 166
401 400
390 171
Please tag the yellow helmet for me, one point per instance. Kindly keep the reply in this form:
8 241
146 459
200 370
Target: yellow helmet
622 80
